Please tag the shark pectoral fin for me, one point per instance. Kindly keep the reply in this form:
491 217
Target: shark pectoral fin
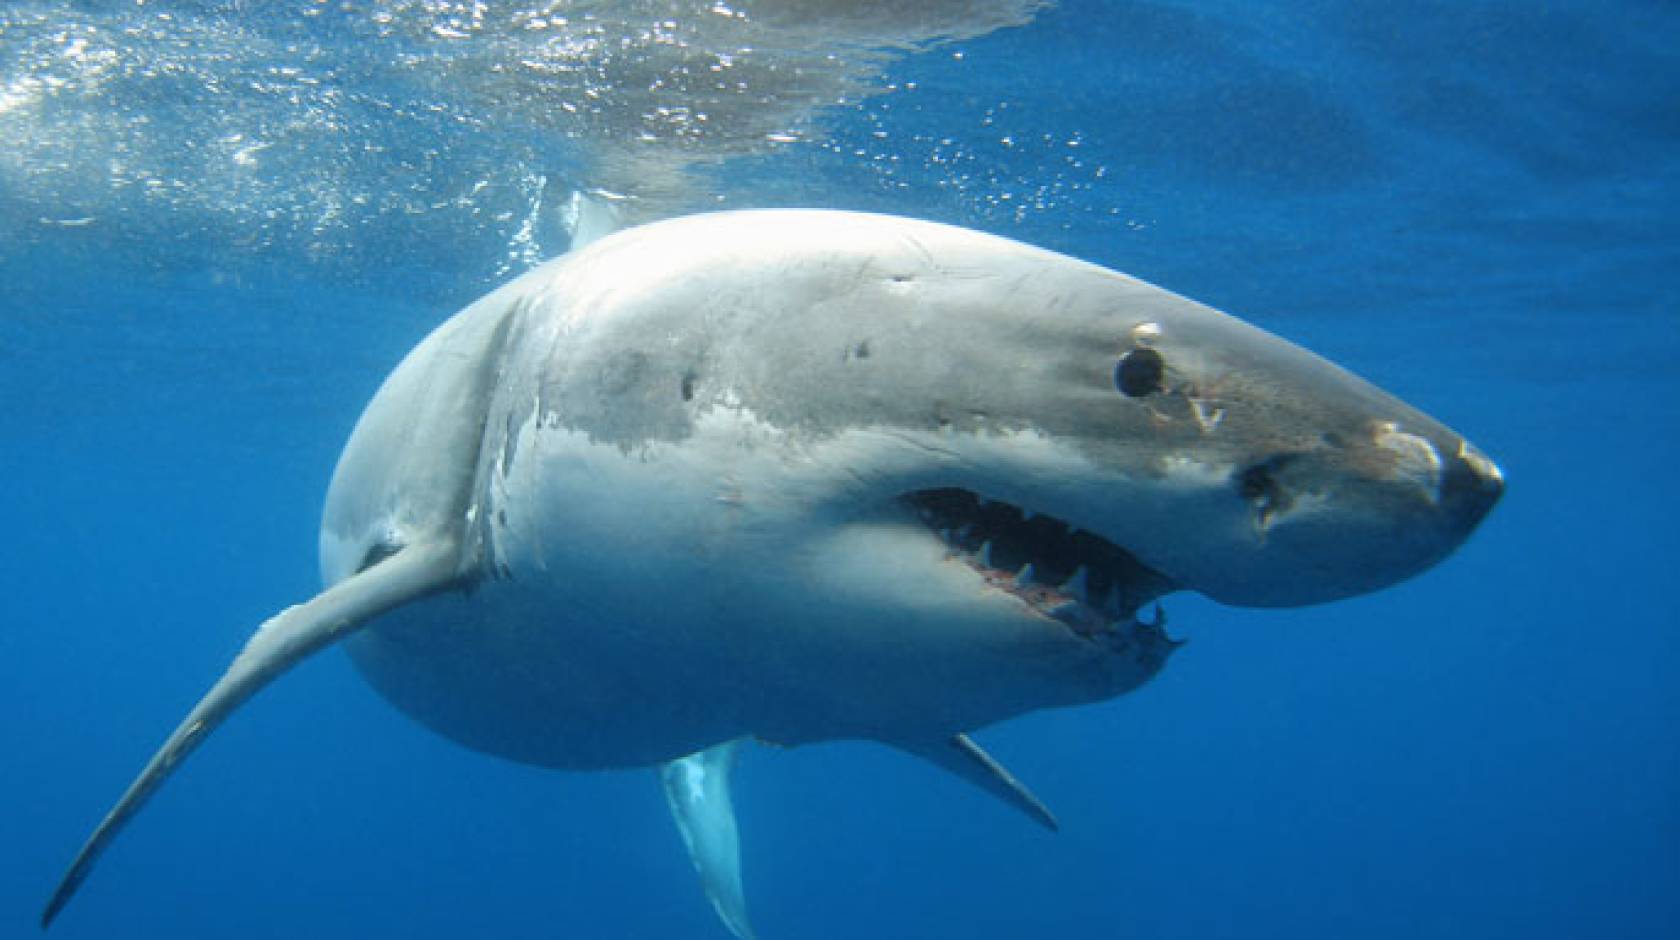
697 787
961 756
281 642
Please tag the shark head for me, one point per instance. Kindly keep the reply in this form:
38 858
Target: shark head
1074 418
986 453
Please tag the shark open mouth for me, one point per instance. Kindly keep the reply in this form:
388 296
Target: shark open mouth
1078 578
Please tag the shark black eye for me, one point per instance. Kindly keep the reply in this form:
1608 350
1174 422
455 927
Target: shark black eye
1139 373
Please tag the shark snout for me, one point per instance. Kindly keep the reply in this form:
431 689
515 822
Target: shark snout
1357 515
1470 485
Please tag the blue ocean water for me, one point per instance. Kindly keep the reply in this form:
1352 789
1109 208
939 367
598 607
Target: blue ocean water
219 228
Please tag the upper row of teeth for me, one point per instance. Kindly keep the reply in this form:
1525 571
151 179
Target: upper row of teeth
1077 585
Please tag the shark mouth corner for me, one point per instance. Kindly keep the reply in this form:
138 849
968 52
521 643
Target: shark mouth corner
1080 579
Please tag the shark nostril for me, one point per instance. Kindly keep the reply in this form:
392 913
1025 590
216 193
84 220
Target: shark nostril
1259 480
1257 483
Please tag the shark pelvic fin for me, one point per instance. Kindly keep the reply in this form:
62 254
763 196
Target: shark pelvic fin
697 787
280 643
961 756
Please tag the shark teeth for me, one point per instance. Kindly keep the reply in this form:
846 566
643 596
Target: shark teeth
1078 584
1075 577
1157 628
1160 620
1066 611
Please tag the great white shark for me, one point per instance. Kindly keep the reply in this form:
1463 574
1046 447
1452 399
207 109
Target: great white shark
803 475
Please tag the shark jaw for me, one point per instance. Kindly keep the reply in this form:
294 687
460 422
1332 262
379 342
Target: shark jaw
1086 583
